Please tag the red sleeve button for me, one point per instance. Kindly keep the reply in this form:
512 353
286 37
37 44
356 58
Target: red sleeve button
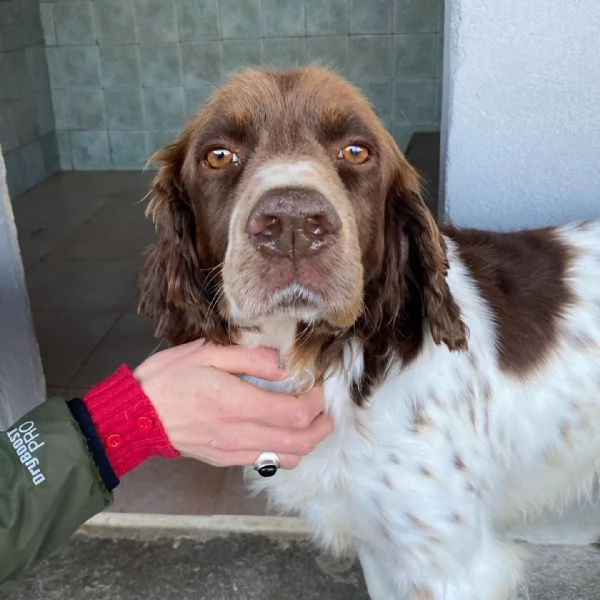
114 440
145 423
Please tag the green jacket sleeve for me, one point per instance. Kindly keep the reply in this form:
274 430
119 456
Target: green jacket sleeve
49 486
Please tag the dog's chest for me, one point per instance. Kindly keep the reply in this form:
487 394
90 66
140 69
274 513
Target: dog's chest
339 488
362 484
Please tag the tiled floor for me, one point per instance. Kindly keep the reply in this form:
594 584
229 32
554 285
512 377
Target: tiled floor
81 237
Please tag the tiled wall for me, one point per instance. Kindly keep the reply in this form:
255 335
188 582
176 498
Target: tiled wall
27 133
126 73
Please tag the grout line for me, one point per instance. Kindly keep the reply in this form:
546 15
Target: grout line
393 79
88 355
348 19
86 358
305 2
261 25
219 36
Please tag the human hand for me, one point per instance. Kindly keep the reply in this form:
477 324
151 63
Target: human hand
211 415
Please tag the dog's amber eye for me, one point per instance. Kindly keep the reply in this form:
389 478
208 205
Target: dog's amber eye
220 158
354 154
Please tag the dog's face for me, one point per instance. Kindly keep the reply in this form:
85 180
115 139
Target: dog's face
286 197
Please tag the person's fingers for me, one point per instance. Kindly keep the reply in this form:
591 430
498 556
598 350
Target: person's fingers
162 359
257 362
250 436
246 402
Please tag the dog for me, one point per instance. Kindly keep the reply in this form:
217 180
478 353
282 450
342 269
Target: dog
461 367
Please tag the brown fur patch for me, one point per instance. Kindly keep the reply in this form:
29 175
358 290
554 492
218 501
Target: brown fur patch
394 458
386 529
522 276
419 418
387 481
418 522
420 593
583 341
362 428
457 519
473 490
459 463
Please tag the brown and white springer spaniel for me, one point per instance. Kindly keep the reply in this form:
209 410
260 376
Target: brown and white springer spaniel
462 368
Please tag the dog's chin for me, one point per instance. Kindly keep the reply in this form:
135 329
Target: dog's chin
294 302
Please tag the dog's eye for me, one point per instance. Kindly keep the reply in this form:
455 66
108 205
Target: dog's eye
354 154
221 157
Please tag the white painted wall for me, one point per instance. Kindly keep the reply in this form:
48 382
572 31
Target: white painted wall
521 114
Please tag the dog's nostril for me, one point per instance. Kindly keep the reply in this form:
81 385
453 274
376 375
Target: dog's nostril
265 226
315 226
272 227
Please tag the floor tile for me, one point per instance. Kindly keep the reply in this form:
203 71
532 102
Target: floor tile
66 338
43 223
166 486
82 285
55 199
122 240
49 214
125 205
119 230
130 341
235 499
36 241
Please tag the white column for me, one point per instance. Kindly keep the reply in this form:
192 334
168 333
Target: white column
521 113
21 379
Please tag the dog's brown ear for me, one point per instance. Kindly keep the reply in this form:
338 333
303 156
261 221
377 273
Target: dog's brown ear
178 290
415 222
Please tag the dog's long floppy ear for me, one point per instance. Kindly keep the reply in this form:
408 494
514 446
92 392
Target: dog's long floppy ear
178 290
410 220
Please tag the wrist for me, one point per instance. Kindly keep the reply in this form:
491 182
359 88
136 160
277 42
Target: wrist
126 422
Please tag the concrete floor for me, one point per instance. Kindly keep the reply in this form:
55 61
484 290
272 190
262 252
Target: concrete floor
81 237
250 568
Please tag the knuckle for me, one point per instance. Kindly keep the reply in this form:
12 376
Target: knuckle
306 446
301 418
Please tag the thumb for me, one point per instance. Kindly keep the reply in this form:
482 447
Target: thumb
258 362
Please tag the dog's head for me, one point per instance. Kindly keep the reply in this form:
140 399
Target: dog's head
285 197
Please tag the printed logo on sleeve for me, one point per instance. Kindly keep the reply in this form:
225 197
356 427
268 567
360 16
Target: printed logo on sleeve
24 440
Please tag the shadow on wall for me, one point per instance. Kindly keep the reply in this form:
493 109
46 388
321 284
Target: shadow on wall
125 75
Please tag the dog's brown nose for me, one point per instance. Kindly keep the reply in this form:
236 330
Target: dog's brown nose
293 222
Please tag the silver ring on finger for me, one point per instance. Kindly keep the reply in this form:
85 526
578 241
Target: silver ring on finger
267 464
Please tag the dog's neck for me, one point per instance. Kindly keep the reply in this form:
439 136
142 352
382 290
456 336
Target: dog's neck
280 335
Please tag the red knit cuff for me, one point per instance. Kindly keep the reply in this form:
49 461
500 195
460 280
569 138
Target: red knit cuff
126 422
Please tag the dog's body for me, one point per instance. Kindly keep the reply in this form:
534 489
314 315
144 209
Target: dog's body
462 369
453 452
